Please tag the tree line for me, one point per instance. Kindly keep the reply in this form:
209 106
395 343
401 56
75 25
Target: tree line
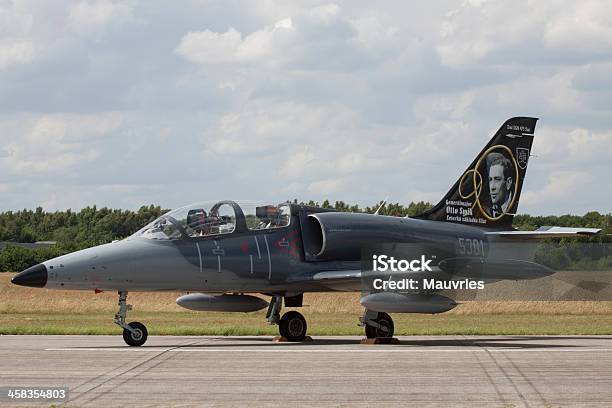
74 230
71 230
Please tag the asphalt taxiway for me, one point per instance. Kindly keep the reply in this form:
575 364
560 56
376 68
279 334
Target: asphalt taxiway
470 371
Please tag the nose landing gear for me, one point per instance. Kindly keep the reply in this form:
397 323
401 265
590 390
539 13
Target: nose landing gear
134 333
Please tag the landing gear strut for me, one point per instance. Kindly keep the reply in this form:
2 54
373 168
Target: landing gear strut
134 333
292 325
378 325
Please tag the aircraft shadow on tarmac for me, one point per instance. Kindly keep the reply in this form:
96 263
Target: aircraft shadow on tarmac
515 342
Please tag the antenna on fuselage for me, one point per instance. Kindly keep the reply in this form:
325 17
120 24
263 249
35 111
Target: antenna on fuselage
381 206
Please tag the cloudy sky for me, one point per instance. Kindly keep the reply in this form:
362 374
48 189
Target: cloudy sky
135 102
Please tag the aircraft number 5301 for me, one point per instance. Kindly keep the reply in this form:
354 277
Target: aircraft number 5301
471 246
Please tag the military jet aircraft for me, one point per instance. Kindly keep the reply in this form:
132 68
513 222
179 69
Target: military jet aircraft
223 252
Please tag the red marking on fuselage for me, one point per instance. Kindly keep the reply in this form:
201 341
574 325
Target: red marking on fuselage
244 247
293 244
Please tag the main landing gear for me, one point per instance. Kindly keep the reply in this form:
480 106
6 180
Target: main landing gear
378 325
291 326
134 333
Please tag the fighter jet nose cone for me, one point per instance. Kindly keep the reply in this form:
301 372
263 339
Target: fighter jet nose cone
35 276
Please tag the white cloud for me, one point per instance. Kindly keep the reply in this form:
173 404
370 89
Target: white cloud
327 187
498 33
15 26
560 185
14 21
579 146
312 38
584 27
263 128
128 188
207 47
56 143
476 29
375 34
14 52
589 145
94 17
351 101
298 162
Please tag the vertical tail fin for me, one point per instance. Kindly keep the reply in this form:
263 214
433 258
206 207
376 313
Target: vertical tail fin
487 193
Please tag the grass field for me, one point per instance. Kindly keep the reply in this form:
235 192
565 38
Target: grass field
41 311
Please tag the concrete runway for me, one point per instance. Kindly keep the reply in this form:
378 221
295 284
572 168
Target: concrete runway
487 371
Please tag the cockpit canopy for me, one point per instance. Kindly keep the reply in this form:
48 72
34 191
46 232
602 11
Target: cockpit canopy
215 218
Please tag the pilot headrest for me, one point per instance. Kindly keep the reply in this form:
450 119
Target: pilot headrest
195 214
266 211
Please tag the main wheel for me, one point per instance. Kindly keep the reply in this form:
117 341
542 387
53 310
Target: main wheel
292 326
138 337
384 332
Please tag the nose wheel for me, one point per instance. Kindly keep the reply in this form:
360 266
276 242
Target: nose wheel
135 333
137 336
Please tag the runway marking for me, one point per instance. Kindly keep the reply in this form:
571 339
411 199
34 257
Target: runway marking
116 373
284 350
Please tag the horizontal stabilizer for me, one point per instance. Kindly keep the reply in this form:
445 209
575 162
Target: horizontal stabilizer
494 269
547 232
474 268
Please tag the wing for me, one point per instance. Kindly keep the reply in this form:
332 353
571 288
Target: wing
349 280
356 280
546 232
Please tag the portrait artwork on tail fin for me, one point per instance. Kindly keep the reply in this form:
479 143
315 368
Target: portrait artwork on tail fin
491 186
487 193
502 184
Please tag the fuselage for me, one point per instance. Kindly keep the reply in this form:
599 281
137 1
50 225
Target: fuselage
281 259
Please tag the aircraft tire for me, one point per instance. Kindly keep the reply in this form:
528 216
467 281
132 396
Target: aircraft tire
135 339
292 326
383 334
